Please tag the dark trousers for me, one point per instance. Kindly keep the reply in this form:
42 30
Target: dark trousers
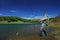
44 33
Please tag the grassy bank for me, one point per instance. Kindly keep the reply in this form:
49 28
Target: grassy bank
57 32
56 27
18 22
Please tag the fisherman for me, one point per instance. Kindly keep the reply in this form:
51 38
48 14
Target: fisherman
43 26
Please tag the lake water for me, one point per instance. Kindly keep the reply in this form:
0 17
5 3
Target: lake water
7 30
11 29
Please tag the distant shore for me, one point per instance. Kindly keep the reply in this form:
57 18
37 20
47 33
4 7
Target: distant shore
18 22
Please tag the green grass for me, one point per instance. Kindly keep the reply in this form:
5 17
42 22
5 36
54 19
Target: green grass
56 27
57 32
18 22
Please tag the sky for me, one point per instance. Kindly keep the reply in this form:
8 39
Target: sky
29 8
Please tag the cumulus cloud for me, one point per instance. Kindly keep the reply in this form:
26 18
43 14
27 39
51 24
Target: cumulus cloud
27 17
12 11
38 17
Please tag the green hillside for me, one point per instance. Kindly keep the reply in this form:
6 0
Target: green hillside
15 19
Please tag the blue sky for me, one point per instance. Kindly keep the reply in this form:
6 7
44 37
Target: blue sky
29 8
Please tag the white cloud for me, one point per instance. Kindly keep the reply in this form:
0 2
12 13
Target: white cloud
12 11
27 17
35 17
38 17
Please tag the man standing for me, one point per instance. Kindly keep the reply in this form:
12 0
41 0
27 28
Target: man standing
43 26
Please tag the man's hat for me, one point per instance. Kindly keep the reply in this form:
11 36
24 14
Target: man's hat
43 19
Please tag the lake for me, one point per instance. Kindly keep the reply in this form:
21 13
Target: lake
11 29
7 30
